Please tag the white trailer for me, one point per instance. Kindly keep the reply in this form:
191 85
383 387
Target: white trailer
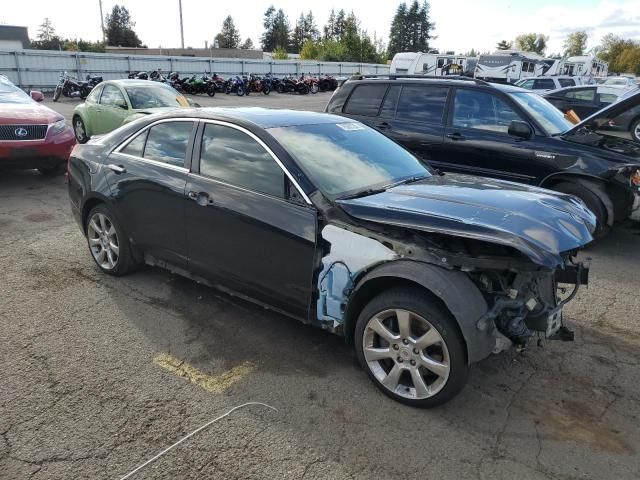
509 66
580 66
418 63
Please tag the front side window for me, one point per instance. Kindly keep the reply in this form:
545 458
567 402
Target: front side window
566 82
548 117
608 98
94 96
365 100
422 103
482 111
528 84
234 157
341 158
154 97
167 142
112 96
544 84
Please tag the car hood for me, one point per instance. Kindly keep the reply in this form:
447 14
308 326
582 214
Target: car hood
539 223
26 113
612 111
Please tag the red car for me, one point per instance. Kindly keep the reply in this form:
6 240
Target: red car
32 135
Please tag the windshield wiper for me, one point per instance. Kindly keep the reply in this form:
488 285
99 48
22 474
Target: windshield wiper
406 181
363 193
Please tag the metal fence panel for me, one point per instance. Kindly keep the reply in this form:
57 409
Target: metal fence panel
41 68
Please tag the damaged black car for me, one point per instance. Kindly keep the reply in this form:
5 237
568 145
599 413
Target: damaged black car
325 220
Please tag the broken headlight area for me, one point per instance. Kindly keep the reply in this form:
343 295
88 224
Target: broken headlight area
528 304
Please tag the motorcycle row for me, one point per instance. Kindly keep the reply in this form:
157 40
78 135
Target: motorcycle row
242 85
71 87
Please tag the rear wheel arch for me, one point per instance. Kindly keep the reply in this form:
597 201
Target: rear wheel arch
87 206
452 290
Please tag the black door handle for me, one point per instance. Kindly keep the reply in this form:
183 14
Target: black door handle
455 136
383 126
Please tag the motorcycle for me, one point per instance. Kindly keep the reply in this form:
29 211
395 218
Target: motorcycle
176 82
195 85
311 82
210 86
292 85
139 75
235 85
256 84
327 83
157 76
71 87
220 82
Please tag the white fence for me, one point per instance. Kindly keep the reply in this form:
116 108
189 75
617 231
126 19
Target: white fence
41 68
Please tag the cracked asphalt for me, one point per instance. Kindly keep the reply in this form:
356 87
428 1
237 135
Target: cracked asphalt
81 396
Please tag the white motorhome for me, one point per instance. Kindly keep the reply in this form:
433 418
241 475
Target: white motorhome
580 66
509 66
418 63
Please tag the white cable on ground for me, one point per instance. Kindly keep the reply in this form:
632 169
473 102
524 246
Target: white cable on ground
193 433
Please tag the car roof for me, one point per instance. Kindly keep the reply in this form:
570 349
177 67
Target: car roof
135 82
258 116
457 81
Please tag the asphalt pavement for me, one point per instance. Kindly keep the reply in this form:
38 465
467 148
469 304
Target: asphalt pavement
99 374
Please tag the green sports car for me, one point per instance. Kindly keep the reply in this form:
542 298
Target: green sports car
113 103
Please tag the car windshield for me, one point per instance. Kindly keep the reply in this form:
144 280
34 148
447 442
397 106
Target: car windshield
154 97
9 93
548 116
345 158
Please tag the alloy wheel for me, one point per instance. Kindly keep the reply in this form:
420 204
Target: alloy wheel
406 354
636 132
78 128
103 241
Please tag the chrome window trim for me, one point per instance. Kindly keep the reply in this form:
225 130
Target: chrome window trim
150 161
267 149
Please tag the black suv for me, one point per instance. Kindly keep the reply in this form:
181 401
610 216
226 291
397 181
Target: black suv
471 126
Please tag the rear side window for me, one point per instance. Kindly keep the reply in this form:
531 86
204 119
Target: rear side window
567 82
167 142
136 146
608 97
236 158
544 84
422 104
365 100
585 94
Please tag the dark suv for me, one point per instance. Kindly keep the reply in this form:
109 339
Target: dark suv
471 126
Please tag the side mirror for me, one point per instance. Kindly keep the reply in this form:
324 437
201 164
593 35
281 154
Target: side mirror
123 106
36 95
521 130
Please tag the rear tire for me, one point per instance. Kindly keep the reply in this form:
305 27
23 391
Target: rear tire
420 361
108 244
53 170
56 93
591 200
635 131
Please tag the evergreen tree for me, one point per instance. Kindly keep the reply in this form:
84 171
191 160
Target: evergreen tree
46 32
504 45
304 30
229 36
267 40
330 27
247 44
398 33
119 28
281 31
410 29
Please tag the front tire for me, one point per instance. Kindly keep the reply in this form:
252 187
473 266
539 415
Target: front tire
591 200
411 348
109 246
53 170
56 93
80 130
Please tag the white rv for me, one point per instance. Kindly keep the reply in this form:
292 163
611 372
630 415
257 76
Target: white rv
418 63
509 66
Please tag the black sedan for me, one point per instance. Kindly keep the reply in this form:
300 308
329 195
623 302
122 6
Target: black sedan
584 100
327 221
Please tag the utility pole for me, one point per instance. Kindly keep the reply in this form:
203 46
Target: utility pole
104 37
181 26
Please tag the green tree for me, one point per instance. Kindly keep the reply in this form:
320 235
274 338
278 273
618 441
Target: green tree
532 42
247 44
305 29
310 50
119 28
46 32
575 44
281 31
267 40
280 53
629 60
411 29
504 45
229 36
611 49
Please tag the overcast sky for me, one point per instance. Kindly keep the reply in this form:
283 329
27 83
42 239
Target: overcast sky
460 24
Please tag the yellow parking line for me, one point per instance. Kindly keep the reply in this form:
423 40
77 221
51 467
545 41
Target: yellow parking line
211 383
